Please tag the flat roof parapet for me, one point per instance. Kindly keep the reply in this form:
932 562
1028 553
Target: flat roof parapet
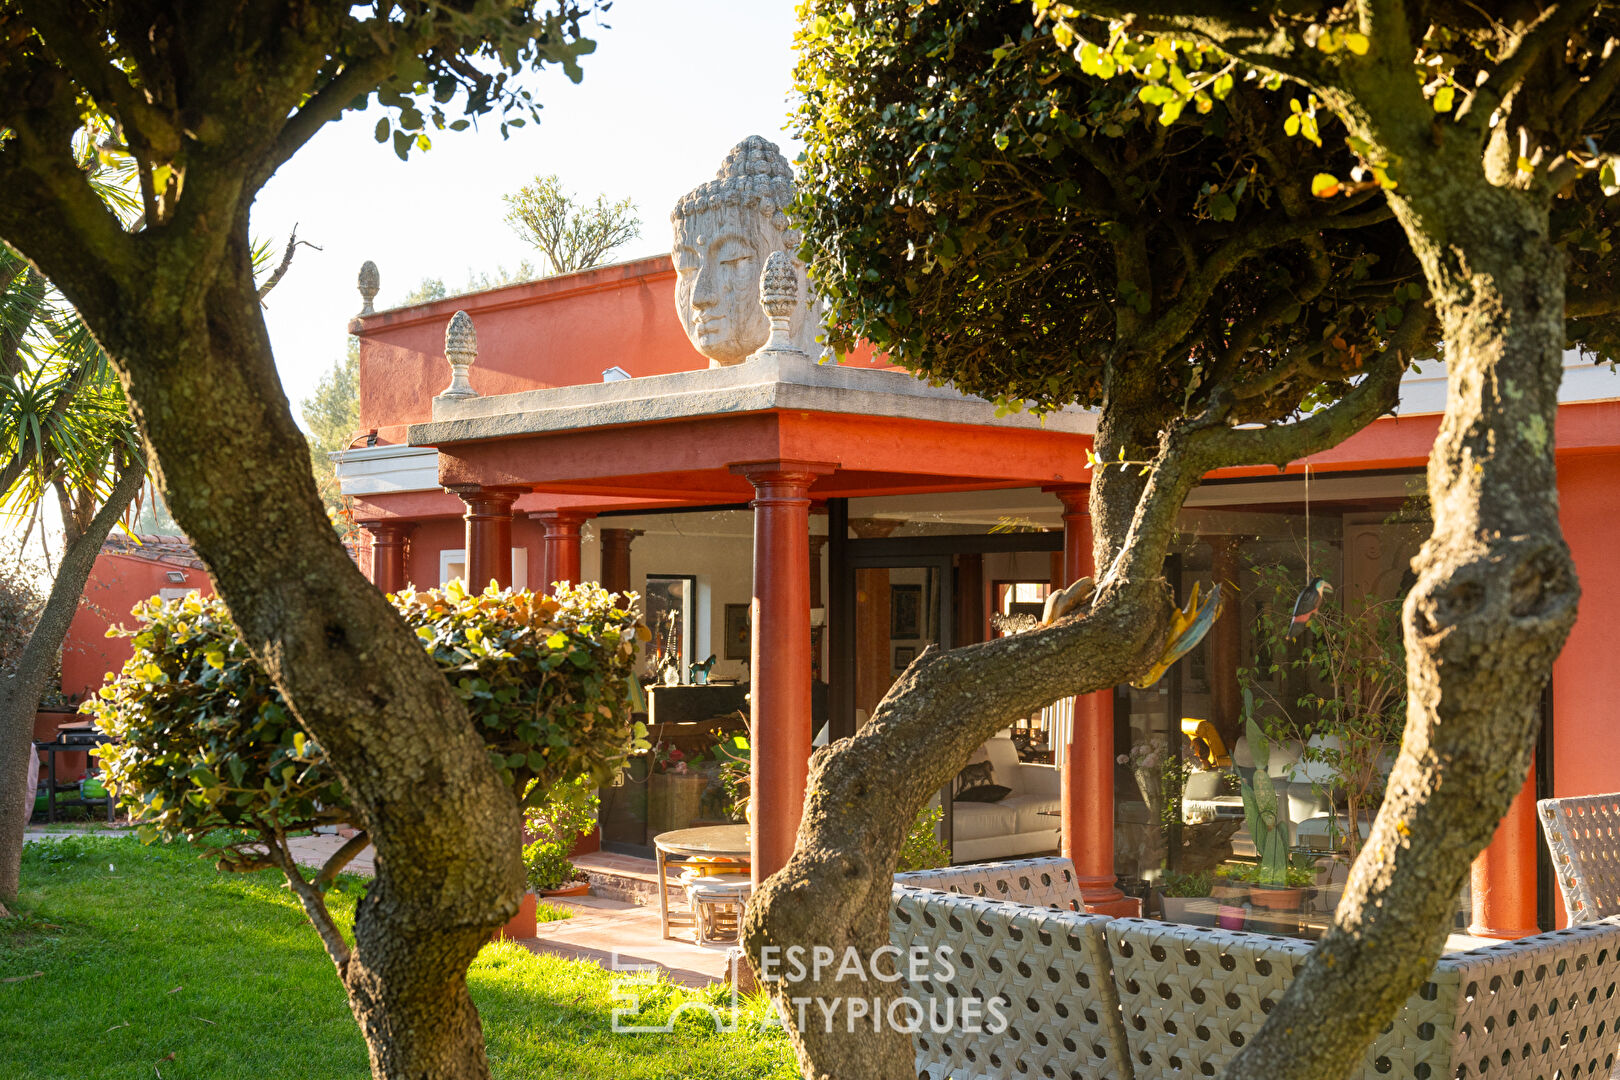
767 383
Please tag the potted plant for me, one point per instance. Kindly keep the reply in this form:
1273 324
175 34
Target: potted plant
1267 819
1340 689
554 825
1185 898
549 871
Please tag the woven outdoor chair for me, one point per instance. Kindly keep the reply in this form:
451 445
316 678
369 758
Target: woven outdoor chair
1537 1008
1044 882
1056 1013
1584 837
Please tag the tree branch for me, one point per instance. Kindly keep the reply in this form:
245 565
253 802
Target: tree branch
1173 325
357 77
286 260
1553 27
342 857
310 897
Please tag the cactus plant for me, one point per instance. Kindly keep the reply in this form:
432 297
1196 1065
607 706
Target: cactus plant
1265 814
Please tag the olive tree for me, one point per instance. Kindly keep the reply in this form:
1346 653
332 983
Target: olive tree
987 212
1472 122
208 100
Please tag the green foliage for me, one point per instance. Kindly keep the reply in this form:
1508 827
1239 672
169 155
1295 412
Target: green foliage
112 923
1343 679
431 289
993 212
1265 815
63 420
571 235
1187 886
205 741
546 865
332 416
922 849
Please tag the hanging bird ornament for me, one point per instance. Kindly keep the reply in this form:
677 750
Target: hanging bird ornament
1307 605
1187 628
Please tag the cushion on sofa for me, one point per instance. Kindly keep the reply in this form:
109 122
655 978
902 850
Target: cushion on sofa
977 821
1027 809
1003 756
983 793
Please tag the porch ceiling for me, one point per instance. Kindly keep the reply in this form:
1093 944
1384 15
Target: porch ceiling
677 436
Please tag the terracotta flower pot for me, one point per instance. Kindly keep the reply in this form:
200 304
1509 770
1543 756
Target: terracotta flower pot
1276 897
521 925
573 888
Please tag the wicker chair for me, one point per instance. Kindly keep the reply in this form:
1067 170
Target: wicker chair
1542 1006
1046 882
1056 1012
1584 837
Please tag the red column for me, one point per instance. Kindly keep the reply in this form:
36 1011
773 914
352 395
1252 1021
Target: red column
388 547
1503 879
489 534
559 559
615 576
780 656
1088 766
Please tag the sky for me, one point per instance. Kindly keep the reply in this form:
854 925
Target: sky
672 86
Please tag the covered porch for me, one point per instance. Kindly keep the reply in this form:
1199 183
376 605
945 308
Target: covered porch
830 466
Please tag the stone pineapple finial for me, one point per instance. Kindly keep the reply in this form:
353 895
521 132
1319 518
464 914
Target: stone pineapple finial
461 349
370 282
779 295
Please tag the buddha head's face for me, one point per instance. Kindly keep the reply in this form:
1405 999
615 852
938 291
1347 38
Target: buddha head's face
724 231
718 261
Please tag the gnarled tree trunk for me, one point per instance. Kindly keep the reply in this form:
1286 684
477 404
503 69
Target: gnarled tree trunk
1494 601
21 691
196 363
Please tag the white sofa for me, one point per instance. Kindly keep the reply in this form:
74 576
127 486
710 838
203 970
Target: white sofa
1015 825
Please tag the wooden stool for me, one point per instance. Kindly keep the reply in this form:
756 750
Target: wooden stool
717 900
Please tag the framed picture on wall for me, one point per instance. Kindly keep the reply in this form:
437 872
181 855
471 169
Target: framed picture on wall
905 611
903 656
738 632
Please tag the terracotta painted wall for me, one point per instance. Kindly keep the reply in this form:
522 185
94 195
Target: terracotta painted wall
1586 709
561 331
117 583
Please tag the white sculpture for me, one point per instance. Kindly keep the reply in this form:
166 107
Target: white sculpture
725 231
370 281
461 349
779 297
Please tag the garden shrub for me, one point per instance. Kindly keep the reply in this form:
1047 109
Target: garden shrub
205 741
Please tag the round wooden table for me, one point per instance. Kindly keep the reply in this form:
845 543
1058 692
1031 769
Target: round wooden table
682 846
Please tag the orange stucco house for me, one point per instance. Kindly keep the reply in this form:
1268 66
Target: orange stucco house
815 526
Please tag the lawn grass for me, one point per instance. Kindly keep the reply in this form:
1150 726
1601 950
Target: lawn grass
148 952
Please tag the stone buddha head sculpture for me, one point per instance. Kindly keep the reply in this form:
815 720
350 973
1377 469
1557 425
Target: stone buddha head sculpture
725 230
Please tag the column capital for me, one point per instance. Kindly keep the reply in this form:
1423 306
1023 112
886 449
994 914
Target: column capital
390 528
480 499
783 473
1076 498
562 518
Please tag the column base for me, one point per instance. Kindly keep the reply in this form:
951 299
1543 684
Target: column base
1126 907
1500 934
1104 898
